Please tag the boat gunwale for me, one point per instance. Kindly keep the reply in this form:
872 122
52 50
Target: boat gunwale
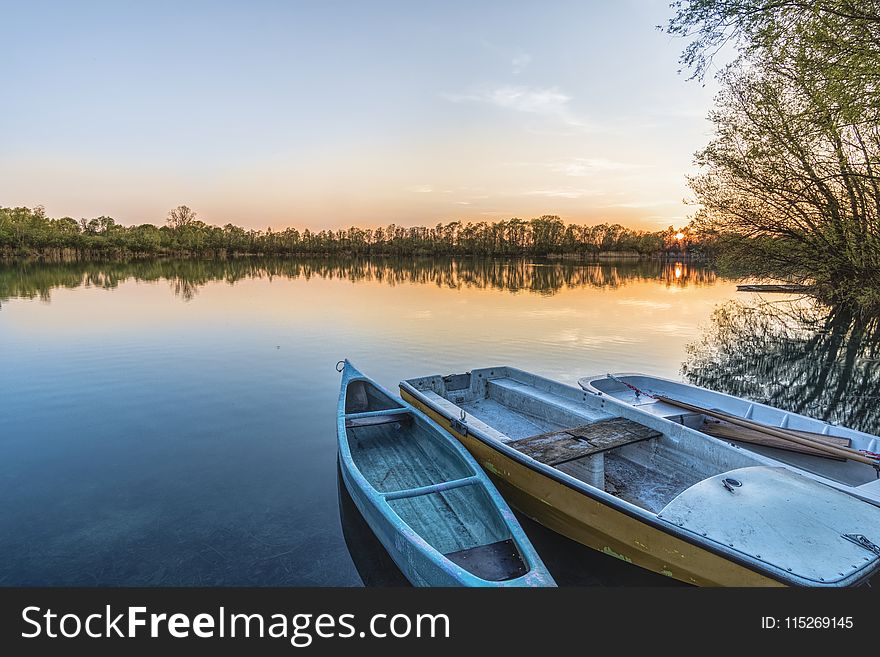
536 574
589 388
627 508
859 491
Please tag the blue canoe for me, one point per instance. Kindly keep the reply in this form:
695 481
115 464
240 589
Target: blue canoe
423 495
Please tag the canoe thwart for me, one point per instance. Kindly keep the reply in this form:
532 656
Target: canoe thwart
565 445
432 488
373 420
495 562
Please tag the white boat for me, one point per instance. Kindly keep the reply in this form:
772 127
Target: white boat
647 490
734 420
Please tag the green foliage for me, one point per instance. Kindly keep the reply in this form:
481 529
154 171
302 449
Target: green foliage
790 182
836 38
26 231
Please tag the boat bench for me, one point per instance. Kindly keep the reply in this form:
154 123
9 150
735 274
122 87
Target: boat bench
564 445
374 418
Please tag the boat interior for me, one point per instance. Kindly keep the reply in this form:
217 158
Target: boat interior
848 472
574 432
428 484
708 487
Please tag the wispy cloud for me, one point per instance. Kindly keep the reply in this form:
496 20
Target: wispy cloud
581 166
520 61
421 189
564 192
641 204
521 99
549 102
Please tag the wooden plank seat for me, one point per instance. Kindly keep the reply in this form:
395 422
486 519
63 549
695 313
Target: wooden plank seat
375 420
563 445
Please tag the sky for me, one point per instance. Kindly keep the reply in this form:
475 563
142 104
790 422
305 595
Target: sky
328 114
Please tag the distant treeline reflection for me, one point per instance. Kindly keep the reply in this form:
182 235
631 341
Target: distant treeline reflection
802 356
37 279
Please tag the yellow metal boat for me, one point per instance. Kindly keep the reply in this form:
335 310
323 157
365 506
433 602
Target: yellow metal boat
646 490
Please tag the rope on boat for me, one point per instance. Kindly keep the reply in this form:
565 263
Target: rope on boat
338 368
638 392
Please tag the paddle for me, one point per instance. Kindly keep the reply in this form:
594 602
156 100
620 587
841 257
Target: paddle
843 452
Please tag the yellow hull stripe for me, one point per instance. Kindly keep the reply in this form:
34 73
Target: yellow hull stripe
598 525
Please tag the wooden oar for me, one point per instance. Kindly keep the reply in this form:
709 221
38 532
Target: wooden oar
845 452
728 431
806 435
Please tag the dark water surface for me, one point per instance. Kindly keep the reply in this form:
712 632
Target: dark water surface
172 423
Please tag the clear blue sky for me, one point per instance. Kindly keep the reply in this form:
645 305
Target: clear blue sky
327 114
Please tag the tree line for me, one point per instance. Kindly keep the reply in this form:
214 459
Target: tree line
28 231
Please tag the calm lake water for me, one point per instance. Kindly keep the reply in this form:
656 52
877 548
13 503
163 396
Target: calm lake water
173 423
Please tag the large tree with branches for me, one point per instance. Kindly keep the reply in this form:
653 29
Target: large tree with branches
791 179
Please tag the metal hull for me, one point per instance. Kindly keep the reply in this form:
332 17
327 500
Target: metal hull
598 525
650 491
850 477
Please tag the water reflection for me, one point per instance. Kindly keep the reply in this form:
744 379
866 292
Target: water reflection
31 280
372 561
799 355
149 441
